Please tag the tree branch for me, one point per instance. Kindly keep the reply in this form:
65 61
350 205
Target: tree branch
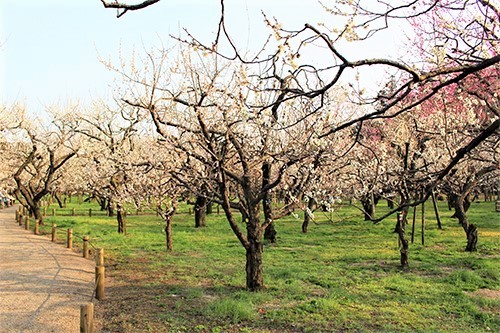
126 7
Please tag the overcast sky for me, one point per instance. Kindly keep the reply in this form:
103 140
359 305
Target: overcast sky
50 49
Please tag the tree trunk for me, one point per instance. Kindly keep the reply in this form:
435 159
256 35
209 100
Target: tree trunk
307 216
390 204
121 219
102 202
58 199
111 208
37 213
200 211
270 233
367 208
470 229
254 269
254 249
454 201
168 233
210 207
403 249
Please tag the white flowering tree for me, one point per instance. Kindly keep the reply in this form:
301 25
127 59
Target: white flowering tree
106 158
216 117
39 159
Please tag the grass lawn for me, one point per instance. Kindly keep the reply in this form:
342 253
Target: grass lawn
340 277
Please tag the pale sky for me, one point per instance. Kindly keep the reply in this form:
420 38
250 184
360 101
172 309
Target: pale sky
49 49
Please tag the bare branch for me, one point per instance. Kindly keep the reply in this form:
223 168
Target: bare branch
126 7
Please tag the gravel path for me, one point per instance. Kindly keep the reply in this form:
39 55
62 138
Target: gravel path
42 284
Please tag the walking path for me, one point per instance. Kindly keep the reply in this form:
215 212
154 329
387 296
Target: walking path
42 284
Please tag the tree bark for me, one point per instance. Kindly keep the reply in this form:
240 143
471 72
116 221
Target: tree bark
254 250
121 219
453 201
307 216
270 231
403 249
367 207
210 207
390 204
168 233
58 199
102 202
111 208
37 213
470 229
200 211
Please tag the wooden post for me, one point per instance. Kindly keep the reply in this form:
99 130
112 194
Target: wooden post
99 275
69 241
137 211
53 212
27 223
35 231
44 211
87 318
436 211
413 224
20 219
99 260
17 216
85 247
218 209
72 212
90 212
54 234
423 223
189 210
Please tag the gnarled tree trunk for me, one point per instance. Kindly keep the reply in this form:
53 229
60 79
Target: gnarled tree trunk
470 229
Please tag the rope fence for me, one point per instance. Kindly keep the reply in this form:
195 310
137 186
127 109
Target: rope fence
58 211
86 310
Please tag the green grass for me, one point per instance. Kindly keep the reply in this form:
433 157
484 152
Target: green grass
341 276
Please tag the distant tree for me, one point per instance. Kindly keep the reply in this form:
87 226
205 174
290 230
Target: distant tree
110 134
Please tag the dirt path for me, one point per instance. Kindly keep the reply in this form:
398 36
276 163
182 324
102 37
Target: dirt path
42 284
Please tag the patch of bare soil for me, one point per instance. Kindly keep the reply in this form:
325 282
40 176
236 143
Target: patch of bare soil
486 293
